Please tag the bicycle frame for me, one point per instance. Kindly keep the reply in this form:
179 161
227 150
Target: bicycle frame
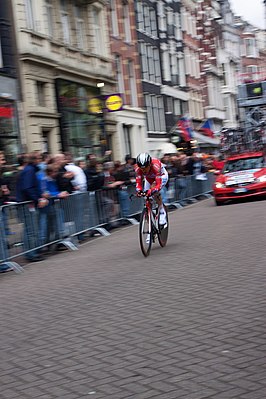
149 227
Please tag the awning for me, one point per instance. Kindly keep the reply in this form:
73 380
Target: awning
167 148
201 138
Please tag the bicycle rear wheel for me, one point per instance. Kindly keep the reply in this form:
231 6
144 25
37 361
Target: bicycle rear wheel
145 232
163 231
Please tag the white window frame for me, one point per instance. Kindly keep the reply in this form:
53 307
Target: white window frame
132 84
65 22
98 30
250 45
49 16
114 22
80 27
29 14
119 73
41 93
127 24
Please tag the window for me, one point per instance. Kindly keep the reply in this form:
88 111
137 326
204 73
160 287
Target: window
127 139
79 27
119 74
252 72
155 113
132 84
140 16
49 13
114 23
174 70
250 47
99 45
64 21
127 24
153 23
40 94
162 17
144 64
29 14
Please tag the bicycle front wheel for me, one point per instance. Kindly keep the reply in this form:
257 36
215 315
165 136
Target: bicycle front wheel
163 231
145 232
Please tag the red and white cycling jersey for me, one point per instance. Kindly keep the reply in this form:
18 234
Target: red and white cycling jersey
157 170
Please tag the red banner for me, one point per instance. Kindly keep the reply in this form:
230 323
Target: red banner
6 112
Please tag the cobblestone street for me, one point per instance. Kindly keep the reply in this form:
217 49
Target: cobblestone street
103 322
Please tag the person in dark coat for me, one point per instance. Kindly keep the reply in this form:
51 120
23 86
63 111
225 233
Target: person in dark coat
27 189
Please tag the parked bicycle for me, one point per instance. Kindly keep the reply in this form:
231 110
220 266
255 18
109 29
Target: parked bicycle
149 227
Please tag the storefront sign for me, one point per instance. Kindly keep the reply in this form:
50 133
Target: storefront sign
6 112
114 102
95 105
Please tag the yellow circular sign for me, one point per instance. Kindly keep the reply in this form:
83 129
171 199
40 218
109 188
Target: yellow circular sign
95 105
114 102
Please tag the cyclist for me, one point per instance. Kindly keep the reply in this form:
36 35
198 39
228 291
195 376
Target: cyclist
155 177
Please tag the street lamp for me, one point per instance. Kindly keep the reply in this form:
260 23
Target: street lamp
103 140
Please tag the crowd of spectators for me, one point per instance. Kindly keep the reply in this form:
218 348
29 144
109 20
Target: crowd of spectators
41 178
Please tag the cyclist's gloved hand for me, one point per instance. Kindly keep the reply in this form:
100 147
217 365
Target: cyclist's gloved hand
140 193
148 193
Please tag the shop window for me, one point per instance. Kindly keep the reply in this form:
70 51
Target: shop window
40 93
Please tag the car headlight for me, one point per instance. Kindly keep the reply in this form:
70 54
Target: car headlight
219 185
261 179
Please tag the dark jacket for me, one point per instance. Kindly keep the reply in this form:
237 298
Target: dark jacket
63 183
27 188
95 180
193 166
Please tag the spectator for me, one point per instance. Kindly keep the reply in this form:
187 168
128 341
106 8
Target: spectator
27 189
4 194
107 198
51 217
218 162
95 175
123 175
82 164
79 180
64 177
195 165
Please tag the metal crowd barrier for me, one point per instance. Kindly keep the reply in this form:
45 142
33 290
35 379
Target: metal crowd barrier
25 229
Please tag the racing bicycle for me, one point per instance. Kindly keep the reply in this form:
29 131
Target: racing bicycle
149 227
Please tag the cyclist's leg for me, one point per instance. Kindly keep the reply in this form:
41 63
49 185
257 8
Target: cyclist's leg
159 201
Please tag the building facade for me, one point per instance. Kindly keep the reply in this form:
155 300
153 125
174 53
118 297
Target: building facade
64 52
228 56
10 141
174 79
131 121
209 24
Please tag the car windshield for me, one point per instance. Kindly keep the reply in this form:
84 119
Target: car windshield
243 164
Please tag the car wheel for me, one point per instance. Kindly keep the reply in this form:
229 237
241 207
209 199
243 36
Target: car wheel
218 203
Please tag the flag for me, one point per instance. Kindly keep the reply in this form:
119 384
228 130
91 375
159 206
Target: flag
206 129
184 126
